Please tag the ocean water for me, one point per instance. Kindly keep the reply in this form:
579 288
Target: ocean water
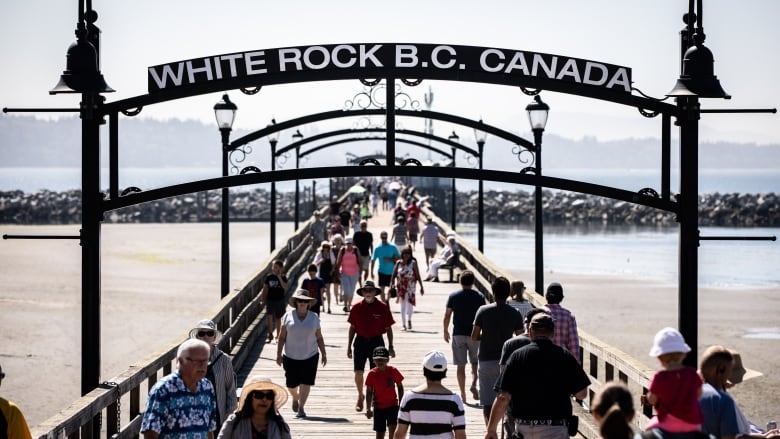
710 180
636 252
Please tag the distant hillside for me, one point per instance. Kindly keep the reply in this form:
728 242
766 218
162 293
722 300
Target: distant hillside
29 142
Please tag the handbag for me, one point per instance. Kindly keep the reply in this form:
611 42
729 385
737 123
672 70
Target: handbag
573 424
393 292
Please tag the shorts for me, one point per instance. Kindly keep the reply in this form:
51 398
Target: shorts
384 418
464 348
365 262
488 372
276 308
430 252
362 349
297 372
412 237
384 279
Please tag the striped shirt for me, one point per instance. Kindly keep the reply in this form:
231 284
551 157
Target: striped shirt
432 415
221 365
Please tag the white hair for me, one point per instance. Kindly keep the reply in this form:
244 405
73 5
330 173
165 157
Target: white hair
189 345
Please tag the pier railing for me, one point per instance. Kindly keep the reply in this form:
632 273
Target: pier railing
240 316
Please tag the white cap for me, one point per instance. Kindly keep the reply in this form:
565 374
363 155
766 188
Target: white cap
668 340
435 361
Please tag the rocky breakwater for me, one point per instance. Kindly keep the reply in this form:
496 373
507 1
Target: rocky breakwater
730 210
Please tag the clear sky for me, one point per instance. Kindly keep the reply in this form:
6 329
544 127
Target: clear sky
640 34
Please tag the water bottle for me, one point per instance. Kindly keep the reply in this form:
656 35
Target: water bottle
771 425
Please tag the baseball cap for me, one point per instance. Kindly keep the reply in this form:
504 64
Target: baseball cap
435 361
381 352
555 289
542 321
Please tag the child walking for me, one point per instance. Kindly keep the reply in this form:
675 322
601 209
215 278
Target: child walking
383 385
674 391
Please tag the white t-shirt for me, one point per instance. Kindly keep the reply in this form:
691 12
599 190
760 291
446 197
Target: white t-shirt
301 342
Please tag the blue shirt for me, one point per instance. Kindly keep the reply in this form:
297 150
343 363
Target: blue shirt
381 252
720 414
174 412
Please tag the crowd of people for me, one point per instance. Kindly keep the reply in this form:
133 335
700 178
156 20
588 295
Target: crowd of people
524 362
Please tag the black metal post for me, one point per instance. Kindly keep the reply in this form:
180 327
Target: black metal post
225 219
313 196
272 218
538 218
91 217
390 121
297 187
688 291
453 197
481 203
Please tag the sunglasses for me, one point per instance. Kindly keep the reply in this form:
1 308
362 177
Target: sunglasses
269 395
299 301
205 333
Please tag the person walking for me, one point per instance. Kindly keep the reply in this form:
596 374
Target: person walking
517 297
220 369
325 261
183 404
430 409
548 372
258 412
405 277
383 386
368 320
462 306
272 295
566 334
348 267
316 231
316 288
387 254
297 349
430 237
11 418
399 234
493 325
364 241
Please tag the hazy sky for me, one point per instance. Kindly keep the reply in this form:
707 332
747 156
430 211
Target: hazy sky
640 34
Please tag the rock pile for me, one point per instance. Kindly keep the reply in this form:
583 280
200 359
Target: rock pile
730 210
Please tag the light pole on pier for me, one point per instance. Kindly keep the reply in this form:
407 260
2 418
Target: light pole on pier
453 137
480 137
225 113
273 138
296 137
537 117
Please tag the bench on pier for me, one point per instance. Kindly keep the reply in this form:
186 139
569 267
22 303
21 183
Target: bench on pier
451 266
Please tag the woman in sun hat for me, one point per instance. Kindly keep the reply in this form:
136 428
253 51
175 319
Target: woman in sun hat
300 339
220 370
258 412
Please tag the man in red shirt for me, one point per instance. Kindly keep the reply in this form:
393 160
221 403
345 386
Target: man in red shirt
368 320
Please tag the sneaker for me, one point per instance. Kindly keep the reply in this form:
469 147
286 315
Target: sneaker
301 414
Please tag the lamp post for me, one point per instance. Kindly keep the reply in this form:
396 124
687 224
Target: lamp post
273 138
454 138
296 137
225 113
480 136
537 117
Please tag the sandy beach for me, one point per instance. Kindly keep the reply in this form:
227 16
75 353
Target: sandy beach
159 279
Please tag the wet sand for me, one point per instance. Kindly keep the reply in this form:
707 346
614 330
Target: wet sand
159 279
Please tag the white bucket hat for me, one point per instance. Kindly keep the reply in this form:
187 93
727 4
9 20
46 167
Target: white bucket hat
668 340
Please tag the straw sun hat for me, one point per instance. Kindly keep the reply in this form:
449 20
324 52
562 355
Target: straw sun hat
301 295
262 383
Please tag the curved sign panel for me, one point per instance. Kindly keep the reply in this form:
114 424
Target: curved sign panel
391 60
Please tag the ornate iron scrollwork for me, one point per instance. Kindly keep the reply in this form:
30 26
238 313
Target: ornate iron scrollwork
407 162
649 192
524 156
369 161
642 111
130 112
528 170
241 153
370 82
373 96
411 82
250 169
130 190
251 91
531 91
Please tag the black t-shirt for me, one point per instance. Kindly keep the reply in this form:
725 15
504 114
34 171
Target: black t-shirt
363 241
275 290
345 216
464 304
542 377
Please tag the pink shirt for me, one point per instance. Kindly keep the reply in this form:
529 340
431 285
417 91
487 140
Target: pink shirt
349 263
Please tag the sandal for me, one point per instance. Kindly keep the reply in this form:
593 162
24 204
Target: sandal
359 405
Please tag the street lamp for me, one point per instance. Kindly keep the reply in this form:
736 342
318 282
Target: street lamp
453 138
480 136
225 113
296 137
273 138
537 116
